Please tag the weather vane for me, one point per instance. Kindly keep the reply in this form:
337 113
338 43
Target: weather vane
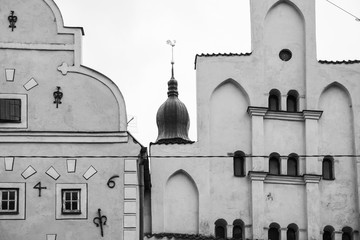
172 44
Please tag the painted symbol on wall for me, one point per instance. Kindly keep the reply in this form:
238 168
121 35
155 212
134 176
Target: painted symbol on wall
100 221
58 96
39 187
111 182
12 20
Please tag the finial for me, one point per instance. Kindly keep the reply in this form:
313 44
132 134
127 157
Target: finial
172 44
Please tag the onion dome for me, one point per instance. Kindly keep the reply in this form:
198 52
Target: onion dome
172 117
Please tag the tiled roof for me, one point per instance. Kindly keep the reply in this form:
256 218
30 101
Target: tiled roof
172 141
180 236
339 62
220 55
177 236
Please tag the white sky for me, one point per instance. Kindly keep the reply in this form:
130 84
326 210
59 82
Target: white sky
126 41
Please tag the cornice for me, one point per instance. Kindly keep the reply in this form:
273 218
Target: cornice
256 111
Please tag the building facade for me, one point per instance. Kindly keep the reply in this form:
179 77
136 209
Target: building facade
70 169
278 140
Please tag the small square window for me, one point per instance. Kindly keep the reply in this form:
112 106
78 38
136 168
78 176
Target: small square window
10 110
71 201
9 201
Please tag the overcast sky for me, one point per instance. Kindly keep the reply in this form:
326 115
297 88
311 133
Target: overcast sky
126 41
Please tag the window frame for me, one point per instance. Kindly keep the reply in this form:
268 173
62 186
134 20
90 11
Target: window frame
292 157
64 201
23 112
20 211
293 98
331 170
239 163
221 223
16 201
274 95
83 200
272 158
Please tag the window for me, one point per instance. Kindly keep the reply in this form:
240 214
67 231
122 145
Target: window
10 110
328 233
9 201
239 164
71 201
12 201
274 164
292 165
13 110
327 168
238 227
273 233
291 233
347 233
274 100
292 101
220 228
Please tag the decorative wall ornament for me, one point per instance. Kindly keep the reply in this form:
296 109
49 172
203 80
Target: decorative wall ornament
30 84
50 236
39 187
28 172
12 20
63 68
9 163
10 74
58 96
52 173
111 182
100 221
89 173
71 165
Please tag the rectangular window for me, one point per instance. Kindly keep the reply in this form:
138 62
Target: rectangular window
71 201
9 201
10 110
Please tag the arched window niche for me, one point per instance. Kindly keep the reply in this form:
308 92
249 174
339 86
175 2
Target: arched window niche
292 232
347 233
220 229
292 101
274 164
274 231
328 233
239 164
293 165
274 100
238 230
328 172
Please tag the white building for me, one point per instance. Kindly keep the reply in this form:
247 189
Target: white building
69 168
278 140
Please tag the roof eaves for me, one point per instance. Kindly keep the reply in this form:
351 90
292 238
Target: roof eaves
220 55
339 62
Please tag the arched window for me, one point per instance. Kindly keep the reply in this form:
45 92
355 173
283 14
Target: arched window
292 165
274 232
239 164
292 101
274 164
274 100
220 229
238 230
328 168
328 233
347 233
292 232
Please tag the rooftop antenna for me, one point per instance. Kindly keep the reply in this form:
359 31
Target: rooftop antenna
172 44
356 18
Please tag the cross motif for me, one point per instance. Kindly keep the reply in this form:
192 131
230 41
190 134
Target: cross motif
12 19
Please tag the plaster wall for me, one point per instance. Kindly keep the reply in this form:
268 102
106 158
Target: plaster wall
88 127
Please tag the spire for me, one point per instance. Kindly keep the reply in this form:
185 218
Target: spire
172 83
172 117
